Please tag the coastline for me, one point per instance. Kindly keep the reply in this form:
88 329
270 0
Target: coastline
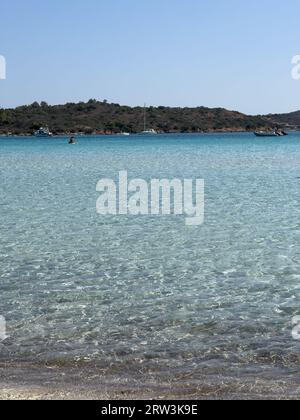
80 135
132 134
53 382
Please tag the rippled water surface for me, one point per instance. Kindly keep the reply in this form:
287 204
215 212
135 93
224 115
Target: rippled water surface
149 291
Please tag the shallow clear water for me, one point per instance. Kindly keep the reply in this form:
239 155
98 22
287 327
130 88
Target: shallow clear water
149 291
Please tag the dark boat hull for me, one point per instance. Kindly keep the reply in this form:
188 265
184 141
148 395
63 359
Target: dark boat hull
266 135
276 133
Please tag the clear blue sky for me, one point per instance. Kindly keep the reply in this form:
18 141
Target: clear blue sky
229 53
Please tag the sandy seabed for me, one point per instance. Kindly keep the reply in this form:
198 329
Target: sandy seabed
51 382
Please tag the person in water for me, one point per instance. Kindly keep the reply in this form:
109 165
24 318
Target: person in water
72 140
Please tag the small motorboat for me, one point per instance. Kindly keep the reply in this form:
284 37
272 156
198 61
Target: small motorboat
278 132
43 132
266 134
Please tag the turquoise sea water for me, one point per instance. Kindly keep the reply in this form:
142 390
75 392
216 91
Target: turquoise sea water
149 293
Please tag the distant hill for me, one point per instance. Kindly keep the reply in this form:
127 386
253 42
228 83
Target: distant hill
105 118
291 120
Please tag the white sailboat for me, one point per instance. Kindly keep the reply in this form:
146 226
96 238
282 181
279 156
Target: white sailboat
147 131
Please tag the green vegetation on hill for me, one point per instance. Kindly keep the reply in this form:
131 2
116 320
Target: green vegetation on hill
291 120
106 118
